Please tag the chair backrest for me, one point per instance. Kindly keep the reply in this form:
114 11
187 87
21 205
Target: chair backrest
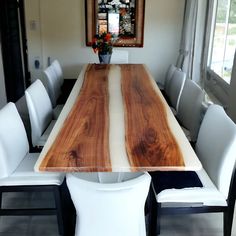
58 70
119 57
113 208
169 75
216 147
190 108
115 177
53 84
40 109
176 85
13 140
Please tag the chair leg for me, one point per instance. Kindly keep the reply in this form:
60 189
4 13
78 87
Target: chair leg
0 199
152 229
228 218
67 210
158 219
57 195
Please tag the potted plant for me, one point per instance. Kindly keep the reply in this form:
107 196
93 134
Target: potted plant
103 44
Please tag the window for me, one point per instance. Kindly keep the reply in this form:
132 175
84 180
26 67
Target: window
224 39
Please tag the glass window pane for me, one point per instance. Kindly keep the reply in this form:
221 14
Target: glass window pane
224 41
219 38
230 43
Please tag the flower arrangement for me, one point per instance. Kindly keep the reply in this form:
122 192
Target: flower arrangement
102 43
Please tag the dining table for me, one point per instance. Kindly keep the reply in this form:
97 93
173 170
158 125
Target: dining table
116 120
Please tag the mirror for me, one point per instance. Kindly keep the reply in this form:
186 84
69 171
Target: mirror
123 18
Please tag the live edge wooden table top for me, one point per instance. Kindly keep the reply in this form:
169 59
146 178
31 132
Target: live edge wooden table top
116 120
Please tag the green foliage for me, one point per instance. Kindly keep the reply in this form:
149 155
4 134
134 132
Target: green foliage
232 15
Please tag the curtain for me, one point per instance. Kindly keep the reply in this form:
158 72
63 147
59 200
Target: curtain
186 51
196 34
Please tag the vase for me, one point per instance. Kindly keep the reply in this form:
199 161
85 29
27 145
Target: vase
104 58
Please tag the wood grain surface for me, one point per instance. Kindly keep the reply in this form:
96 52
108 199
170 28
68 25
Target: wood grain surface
82 143
149 140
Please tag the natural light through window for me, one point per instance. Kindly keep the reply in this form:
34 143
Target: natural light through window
224 40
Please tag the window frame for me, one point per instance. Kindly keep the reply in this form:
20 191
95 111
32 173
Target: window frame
216 76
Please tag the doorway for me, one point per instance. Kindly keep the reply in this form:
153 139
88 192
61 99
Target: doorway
14 48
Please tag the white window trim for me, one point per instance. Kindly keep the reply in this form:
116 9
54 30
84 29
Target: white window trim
210 50
213 24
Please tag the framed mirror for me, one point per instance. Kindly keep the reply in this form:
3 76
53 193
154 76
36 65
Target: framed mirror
122 18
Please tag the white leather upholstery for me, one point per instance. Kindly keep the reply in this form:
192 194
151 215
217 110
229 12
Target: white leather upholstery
208 195
216 148
58 70
109 209
16 164
164 85
169 75
13 148
40 110
119 57
115 177
53 84
43 138
175 88
190 108
24 174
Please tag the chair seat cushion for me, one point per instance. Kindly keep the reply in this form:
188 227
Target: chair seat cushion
207 195
25 175
41 142
174 179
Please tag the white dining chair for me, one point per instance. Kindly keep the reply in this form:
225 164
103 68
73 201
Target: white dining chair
17 169
216 148
53 86
66 85
40 113
190 109
169 75
164 86
58 70
109 208
174 89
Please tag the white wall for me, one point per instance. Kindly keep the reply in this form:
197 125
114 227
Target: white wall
3 98
61 26
34 43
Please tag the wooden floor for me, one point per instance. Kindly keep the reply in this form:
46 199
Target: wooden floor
191 225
